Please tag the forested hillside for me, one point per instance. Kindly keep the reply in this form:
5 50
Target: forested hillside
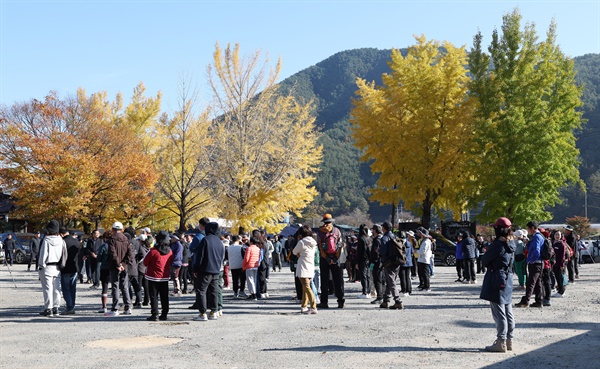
343 181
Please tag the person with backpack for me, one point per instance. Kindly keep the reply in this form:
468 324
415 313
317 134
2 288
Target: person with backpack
329 241
497 285
362 260
391 267
534 267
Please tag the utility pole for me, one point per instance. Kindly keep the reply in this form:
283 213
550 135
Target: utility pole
585 203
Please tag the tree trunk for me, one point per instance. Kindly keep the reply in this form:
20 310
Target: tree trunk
394 220
426 208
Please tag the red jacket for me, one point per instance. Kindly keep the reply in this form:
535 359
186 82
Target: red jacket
159 265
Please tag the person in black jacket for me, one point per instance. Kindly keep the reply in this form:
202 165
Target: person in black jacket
375 264
68 274
34 247
469 250
9 248
362 260
92 247
207 266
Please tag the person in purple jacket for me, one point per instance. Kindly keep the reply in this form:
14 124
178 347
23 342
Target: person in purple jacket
534 267
177 249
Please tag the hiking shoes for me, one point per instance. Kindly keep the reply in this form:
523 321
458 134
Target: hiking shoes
384 305
536 304
397 306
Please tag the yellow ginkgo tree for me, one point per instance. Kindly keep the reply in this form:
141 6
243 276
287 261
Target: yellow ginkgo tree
415 129
265 152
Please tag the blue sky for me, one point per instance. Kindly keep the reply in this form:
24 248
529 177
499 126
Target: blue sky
112 45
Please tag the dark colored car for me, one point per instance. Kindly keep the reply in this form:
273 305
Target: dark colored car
22 251
445 250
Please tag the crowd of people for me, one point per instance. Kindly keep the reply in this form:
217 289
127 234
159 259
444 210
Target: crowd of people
143 268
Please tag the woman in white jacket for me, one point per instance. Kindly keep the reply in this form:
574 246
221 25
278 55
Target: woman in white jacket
305 270
424 259
52 258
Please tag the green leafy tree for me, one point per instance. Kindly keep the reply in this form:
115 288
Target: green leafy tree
528 111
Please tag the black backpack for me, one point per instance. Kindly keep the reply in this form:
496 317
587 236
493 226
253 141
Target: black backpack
548 251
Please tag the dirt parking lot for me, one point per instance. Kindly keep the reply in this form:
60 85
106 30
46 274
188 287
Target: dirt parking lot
446 328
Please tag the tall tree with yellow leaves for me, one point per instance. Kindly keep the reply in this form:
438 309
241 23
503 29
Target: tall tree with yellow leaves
265 144
416 128
182 160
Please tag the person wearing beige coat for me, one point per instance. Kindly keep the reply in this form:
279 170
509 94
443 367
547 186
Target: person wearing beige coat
305 269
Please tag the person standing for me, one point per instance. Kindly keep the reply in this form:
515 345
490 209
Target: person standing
405 270
330 243
238 277
424 259
481 245
305 250
102 259
250 267
277 254
9 249
158 272
68 274
34 247
119 257
133 267
194 245
469 249
53 256
573 262
376 266
391 269
559 266
185 262
498 259
520 264
177 249
362 261
93 245
207 267
534 267
459 257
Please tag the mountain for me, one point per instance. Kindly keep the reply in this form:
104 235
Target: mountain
343 180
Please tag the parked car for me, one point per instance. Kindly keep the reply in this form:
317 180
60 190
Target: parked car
445 250
22 251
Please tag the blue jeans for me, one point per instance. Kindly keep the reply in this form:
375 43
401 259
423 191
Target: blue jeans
68 283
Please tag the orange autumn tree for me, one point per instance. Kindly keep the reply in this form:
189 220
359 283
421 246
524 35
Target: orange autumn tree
73 159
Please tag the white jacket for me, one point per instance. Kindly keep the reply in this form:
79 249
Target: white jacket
305 250
425 251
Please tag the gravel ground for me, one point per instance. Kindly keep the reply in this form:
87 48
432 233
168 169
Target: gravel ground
446 328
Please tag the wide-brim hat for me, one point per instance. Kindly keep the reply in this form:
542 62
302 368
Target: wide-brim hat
410 233
569 228
423 231
327 218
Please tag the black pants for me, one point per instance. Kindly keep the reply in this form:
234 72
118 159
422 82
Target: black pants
262 279
298 286
156 289
378 280
207 292
391 286
534 282
469 265
31 257
145 287
183 278
239 280
480 266
405 282
134 282
276 261
365 278
573 267
547 283
459 268
337 275
424 274
558 275
95 271
413 268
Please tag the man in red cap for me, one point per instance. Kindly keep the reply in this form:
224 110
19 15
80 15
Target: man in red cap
329 241
535 267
